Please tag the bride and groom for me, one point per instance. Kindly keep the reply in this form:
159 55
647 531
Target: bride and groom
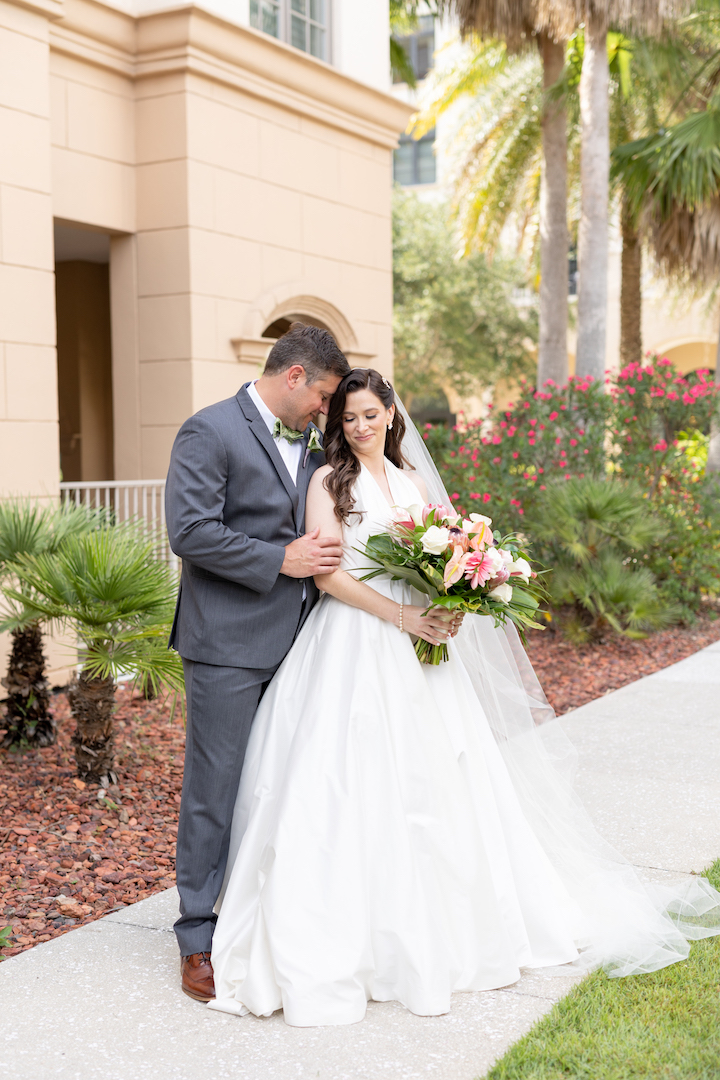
371 827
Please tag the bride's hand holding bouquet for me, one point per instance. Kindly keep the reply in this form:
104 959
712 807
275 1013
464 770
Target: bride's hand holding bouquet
461 564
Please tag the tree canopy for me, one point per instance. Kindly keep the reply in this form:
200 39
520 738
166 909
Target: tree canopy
457 325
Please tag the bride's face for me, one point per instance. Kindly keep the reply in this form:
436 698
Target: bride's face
365 422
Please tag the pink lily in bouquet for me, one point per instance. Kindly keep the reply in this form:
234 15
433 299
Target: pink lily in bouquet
461 564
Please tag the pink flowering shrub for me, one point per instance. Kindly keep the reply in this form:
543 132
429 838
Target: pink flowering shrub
633 427
652 403
545 436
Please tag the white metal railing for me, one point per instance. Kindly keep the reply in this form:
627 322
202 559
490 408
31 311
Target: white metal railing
127 500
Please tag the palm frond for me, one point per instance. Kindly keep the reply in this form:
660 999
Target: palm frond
495 151
517 21
673 179
147 660
28 527
463 74
400 65
106 584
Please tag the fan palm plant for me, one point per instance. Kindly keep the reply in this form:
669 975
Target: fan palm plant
496 139
666 78
594 534
556 19
109 588
29 528
516 26
673 178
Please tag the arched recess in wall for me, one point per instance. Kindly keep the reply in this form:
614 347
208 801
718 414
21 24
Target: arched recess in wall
690 354
271 316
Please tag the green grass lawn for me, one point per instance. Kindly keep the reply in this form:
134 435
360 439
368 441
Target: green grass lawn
662 1026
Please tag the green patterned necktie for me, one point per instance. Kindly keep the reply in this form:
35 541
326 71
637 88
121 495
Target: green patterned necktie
279 431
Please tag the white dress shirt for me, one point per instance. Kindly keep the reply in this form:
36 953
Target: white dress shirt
289 452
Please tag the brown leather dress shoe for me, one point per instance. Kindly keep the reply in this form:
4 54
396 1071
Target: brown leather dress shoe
197 976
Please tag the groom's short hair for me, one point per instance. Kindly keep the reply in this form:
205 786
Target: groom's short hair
313 348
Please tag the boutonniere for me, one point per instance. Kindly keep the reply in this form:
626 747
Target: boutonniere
314 445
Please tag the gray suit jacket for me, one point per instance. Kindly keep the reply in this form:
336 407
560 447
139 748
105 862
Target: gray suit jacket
231 508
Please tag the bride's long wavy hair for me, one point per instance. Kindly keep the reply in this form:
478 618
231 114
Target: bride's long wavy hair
345 466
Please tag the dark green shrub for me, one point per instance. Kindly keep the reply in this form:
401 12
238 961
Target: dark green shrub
594 535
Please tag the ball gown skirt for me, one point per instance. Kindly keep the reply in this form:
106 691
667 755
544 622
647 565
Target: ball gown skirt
379 847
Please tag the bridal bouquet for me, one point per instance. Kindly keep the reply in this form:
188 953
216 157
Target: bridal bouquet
461 564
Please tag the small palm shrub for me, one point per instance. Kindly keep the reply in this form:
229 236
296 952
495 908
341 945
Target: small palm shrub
109 588
595 536
28 528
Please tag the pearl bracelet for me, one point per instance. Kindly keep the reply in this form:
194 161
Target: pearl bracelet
400 619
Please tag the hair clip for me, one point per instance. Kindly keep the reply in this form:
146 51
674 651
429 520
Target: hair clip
386 382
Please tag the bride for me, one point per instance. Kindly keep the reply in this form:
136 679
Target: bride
403 831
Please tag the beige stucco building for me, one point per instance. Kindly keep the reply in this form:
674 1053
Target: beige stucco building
174 186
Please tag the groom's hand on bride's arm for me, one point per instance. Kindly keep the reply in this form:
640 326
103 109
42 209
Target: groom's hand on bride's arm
311 555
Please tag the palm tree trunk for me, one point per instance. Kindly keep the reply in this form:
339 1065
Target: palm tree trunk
594 178
713 460
93 702
28 722
552 350
630 292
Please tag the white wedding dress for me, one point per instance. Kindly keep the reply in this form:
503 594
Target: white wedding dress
382 847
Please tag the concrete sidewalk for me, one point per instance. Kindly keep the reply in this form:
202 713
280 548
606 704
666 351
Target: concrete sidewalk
103 1002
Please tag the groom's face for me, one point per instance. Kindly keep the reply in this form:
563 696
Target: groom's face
306 402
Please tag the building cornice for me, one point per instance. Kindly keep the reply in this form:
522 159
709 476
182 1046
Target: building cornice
190 40
51 9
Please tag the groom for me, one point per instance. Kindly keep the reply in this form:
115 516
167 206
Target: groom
235 506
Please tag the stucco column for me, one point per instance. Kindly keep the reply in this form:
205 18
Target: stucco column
29 446
125 358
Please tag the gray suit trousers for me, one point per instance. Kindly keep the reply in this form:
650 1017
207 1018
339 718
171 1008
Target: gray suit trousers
221 704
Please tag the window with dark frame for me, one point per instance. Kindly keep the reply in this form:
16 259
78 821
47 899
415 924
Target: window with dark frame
414 160
419 47
304 24
572 271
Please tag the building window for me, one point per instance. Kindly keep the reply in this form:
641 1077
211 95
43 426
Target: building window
303 24
573 271
265 16
414 160
419 48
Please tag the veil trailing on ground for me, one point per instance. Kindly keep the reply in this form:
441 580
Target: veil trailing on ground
623 925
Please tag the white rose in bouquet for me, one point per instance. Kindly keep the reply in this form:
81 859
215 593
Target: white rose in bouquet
502 592
435 540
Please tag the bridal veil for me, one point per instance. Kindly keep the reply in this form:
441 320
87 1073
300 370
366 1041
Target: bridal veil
628 927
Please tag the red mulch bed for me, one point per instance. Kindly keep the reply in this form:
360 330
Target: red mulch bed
67 858
572 675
